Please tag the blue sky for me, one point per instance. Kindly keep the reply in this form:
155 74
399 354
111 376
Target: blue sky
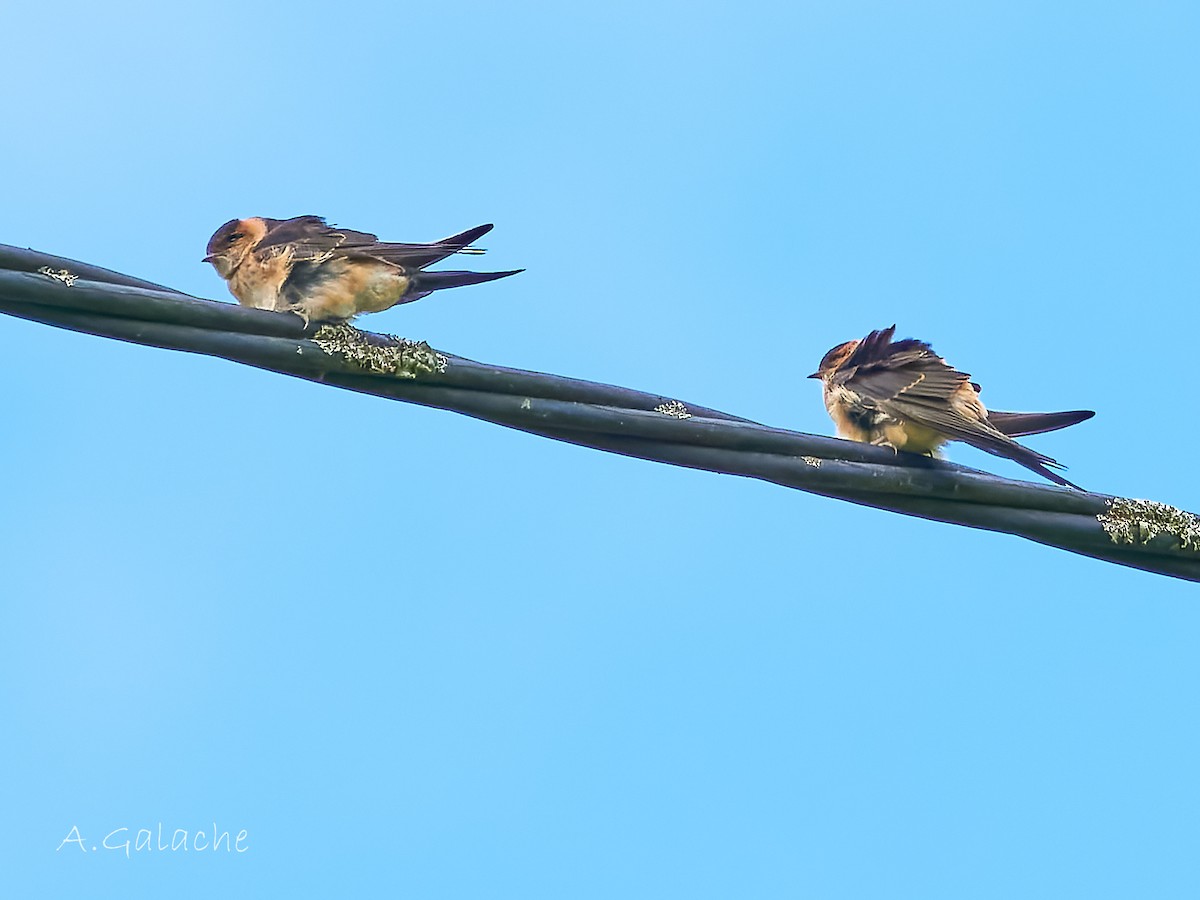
413 653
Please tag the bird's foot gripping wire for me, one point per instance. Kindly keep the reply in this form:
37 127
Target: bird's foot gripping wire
301 312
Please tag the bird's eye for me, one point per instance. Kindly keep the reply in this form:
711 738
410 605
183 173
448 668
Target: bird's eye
236 236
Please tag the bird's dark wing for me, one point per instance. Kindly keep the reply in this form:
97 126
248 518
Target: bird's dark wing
887 372
945 418
310 238
907 380
418 256
1016 424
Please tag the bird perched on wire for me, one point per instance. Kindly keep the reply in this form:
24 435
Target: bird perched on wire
900 394
321 273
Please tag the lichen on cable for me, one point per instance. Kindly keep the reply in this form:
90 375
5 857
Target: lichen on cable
61 275
1141 521
674 409
382 354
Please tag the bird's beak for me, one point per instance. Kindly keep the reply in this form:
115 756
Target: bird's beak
813 375
209 258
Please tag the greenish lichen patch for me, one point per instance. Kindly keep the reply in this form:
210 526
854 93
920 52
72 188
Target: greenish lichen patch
381 354
1141 521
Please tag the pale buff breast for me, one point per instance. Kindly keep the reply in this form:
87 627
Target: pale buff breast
358 286
899 433
905 435
257 282
838 403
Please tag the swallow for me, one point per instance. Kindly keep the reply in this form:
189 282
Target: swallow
321 273
902 395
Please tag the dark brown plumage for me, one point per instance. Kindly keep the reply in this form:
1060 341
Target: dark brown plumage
900 394
322 273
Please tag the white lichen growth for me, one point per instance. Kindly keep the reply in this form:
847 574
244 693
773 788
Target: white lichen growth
1141 521
674 409
381 354
61 275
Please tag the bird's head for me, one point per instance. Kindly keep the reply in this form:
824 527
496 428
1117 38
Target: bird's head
832 361
232 242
